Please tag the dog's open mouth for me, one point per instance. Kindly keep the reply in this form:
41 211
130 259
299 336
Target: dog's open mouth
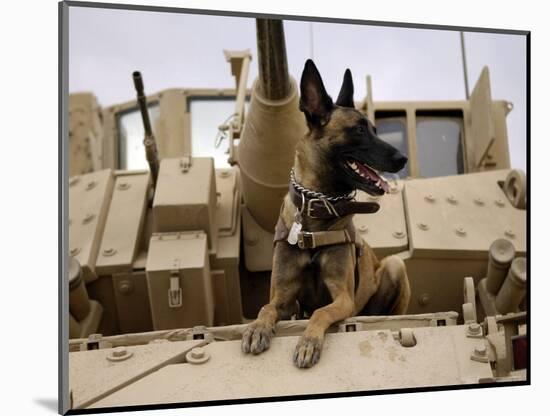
369 175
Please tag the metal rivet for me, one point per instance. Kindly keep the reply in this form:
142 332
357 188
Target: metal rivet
451 199
480 350
109 252
251 240
398 234
429 198
424 299
224 174
363 229
460 231
509 233
123 186
91 185
499 203
125 287
479 201
423 226
74 251
88 218
73 181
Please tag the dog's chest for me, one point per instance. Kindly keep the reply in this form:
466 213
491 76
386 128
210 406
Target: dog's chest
313 292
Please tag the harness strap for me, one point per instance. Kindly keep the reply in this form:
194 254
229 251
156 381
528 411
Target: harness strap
322 209
308 239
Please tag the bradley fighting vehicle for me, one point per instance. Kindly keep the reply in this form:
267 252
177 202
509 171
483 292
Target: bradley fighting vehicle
170 250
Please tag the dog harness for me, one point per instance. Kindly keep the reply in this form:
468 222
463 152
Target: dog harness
319 206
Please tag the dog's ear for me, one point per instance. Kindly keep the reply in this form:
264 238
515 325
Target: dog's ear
314 101
345 98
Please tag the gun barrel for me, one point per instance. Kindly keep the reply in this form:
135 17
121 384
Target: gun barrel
151 152
272 61
142 102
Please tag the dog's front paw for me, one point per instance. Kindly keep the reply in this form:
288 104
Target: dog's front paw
257 337
307 352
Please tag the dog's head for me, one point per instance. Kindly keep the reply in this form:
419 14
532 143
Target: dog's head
342 139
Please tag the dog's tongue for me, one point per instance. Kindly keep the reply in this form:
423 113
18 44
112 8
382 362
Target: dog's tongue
373 176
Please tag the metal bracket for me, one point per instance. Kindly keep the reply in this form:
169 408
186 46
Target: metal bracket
185 164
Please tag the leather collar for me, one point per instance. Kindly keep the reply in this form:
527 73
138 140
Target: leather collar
320 208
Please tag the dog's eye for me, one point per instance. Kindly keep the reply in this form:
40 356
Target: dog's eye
360 129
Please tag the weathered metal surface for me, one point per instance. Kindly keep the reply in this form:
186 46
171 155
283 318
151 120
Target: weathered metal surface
132 302
185 198
460 216
228 300
483 130
386 230
92 376
179 281
124 223
89 198
85 134
227 211
352 361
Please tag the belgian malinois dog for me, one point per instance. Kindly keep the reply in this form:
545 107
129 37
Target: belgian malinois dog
330 274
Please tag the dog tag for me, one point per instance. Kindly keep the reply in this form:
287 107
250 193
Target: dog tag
293 233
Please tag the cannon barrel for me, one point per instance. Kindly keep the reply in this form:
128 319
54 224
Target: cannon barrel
273 125
151 152
274 82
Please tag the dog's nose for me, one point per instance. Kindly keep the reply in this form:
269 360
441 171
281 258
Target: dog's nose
400 160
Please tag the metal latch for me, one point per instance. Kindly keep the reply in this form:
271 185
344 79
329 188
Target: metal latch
175 294
185 164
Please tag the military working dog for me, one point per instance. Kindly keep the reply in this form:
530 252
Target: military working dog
318 262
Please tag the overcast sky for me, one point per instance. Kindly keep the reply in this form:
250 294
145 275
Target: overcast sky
178 50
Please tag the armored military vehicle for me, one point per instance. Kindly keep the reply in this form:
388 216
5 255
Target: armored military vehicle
171 240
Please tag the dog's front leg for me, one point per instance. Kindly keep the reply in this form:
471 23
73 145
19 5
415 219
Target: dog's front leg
336 268
288 264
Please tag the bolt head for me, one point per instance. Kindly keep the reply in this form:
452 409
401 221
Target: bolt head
452 199
88 218
423 226
125 287
363 229
119 352
424 299
480 350
399 234
460 231
429 198
109 251
197 352
499 203
479 201
509 233
91 185
474 328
